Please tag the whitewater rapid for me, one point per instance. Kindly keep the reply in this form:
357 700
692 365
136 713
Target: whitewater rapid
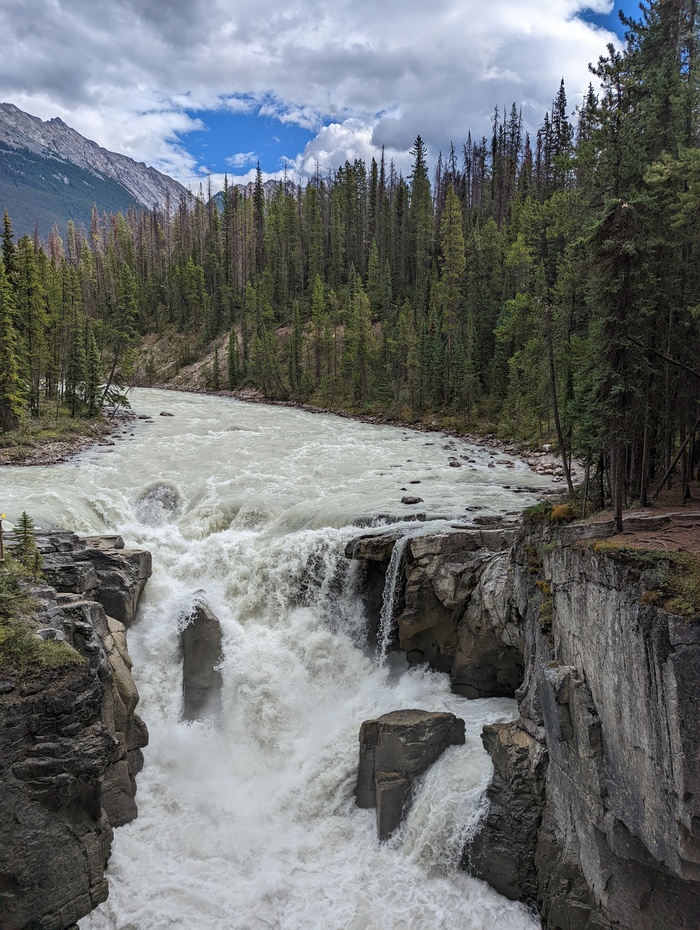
251 823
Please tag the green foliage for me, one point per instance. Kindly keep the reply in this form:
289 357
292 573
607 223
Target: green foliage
25 550
551 514
24 655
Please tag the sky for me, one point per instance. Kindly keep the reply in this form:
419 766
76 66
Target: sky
203 88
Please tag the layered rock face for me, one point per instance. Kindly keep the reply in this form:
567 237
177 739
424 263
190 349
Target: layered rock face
70 744
597 788
453 609
394 750
595 802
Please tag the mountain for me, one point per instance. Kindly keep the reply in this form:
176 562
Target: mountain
270 188
49 174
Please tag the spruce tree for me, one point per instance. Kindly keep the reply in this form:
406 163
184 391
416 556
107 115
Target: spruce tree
11 385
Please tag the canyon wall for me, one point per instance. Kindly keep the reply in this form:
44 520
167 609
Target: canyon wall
70 743
594 813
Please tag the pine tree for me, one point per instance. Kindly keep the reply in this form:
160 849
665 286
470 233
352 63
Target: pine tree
11 385
232 360
8 246
25 548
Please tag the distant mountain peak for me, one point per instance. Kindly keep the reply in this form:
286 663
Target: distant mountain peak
23 136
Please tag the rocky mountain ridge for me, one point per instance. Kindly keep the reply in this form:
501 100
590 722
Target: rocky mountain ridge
56 140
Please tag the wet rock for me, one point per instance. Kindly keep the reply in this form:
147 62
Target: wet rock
105 541
122 575
157 504
394 750
503 852
440 572
164 413
454 463
201 655
70 748
410 499
490 645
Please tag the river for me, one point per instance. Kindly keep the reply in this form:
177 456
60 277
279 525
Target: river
251 823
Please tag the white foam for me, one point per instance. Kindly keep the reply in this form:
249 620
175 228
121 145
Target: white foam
253 824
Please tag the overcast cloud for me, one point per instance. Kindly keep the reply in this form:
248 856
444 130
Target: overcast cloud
361 74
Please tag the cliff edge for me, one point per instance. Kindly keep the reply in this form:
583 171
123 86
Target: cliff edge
594 814
70 742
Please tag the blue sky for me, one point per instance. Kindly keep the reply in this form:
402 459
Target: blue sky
201 88
611 20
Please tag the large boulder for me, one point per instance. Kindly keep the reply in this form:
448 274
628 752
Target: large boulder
201 657
394 750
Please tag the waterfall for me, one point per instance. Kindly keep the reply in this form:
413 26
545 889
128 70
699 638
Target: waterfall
387 614
253 825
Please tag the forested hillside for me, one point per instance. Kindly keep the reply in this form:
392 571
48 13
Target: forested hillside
545 286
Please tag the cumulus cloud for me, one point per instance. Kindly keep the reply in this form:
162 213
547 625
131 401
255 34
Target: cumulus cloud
241 159
359 74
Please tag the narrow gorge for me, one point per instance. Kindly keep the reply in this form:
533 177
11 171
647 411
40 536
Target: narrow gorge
321 601
594 810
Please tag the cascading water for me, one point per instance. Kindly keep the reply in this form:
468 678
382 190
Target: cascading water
386 615
252 824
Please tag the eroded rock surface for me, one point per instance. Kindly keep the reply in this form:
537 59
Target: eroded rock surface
394 750
201 656
70 742
594 813
454 605
595 804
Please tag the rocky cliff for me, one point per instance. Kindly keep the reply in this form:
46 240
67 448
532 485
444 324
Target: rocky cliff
594 811
55 140
70 743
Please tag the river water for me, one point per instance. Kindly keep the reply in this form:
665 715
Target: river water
251 823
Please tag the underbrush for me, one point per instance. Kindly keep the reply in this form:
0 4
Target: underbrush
553 514
48 427
22 653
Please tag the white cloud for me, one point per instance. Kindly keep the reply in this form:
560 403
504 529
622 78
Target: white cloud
241 159
377 73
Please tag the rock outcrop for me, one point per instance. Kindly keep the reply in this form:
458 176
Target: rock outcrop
394 750
201 657
594 813
452 609
70 744
606 754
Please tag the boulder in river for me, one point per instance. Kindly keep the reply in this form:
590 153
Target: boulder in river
201 656
394 750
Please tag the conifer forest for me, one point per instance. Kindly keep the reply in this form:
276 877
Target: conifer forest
543 286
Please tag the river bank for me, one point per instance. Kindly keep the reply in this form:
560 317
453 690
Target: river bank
52 441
